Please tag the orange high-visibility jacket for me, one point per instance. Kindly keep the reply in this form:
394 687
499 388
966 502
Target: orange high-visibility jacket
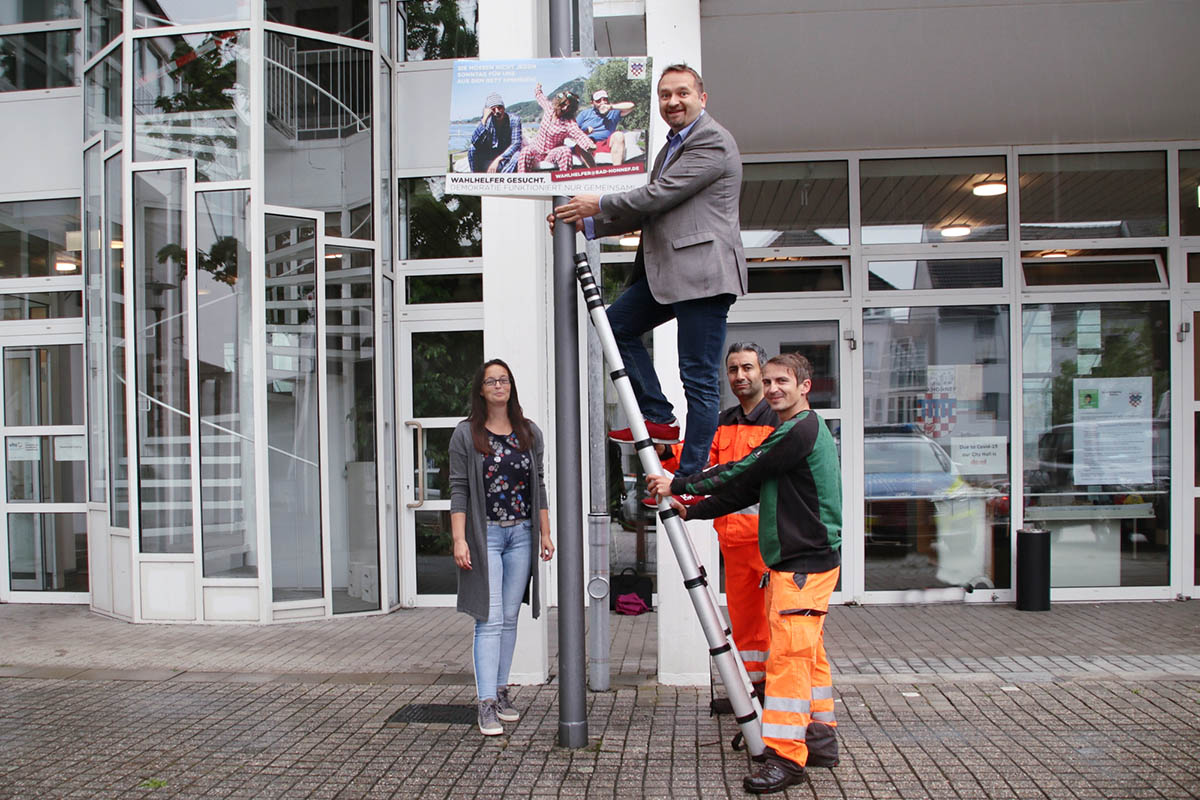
737 434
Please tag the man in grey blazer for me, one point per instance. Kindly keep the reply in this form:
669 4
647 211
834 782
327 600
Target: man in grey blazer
689 266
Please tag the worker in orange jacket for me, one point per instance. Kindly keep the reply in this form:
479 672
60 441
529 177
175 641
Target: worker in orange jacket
740 429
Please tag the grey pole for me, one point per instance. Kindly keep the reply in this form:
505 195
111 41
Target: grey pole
572 711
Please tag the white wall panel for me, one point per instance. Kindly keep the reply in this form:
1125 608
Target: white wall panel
99 567
422 110
231 603
121 552
168 590
39 143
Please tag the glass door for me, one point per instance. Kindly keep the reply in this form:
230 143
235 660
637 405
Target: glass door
823 337
1191 560
438 360
44 503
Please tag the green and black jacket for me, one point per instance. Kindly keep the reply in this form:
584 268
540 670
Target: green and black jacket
796 479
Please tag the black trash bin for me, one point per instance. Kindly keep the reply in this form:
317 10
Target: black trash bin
1033 570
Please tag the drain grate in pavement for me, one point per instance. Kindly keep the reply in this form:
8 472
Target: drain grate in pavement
434 712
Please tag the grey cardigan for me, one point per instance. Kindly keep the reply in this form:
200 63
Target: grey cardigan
467 495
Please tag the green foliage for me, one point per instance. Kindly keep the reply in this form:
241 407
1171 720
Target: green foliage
221 261
436 30
152 783
442 226
207 78
612 76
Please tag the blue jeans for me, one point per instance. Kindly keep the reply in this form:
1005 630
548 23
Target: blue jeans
508 564
701 340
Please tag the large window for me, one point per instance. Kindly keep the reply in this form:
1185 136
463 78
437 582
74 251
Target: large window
913 200
936 447
795 204
113 245
37 60
102 99
436 29
350 18
154 15
40 239
225 384
434 224
1093 195
16 13
192 100
162 351
1189 192
1097 435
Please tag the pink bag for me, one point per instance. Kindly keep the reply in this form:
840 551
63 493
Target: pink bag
631 604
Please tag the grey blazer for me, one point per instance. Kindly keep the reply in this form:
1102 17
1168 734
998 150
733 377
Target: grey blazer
468 496
691 243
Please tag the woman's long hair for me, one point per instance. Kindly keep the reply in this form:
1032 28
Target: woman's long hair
478 415
565 105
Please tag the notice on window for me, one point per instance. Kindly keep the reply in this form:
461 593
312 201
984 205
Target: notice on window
980 455
1113 430
69 448
549 126
24 448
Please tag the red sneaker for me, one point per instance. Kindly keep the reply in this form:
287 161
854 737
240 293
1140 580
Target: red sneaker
660 433
684 500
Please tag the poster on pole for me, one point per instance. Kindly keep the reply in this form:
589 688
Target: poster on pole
549 126
1113 435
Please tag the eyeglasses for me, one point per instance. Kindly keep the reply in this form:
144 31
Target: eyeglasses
490 382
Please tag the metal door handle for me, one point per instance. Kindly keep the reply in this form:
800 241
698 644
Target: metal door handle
412 423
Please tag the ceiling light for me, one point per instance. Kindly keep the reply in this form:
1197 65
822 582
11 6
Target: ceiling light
1055 254
116 244
630 241
955 231
989 188
66 266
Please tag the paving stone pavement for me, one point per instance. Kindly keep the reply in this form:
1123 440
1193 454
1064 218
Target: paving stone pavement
949 701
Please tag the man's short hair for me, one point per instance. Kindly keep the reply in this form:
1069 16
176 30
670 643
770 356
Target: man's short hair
747 347
798 365
681 67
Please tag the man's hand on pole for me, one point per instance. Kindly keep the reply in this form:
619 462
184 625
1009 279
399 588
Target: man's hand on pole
579 207
659 485
551 219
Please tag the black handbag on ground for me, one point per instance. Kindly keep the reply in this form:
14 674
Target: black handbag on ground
628 581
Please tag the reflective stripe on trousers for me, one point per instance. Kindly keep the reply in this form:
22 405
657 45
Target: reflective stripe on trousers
797 663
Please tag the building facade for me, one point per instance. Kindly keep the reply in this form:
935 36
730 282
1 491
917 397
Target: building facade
241 314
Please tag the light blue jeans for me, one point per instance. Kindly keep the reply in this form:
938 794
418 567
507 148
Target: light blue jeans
508 574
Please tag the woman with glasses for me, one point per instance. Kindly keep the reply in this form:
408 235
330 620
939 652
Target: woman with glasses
499 519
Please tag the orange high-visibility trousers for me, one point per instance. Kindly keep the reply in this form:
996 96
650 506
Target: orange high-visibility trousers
797 605
747 601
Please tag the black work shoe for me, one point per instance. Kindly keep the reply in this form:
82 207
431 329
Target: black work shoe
720 705
823 762
773 775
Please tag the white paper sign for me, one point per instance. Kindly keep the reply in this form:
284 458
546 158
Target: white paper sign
1113 434
980 455
70 448
24 448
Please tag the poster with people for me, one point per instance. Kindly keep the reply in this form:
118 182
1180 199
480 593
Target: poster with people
552 126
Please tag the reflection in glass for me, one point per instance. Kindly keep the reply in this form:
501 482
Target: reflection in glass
1097 439
936 447
192 100
16 13
942 273
792 274
1088 267
113 246
101 23
350 18
47 552
1093 195
93 227
796 204
40 305
391 497
225 377
38 235
187 12
912 200
161 350
350 367
41 385
436 461
318 136
102 99
293 412
438 29
1189 195
436 573
434 224
37 61
443 364
464 288
45 469
385 165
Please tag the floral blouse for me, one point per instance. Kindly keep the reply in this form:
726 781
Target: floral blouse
506 476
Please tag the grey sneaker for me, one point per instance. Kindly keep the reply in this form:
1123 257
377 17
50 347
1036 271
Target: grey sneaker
489 723
504 707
